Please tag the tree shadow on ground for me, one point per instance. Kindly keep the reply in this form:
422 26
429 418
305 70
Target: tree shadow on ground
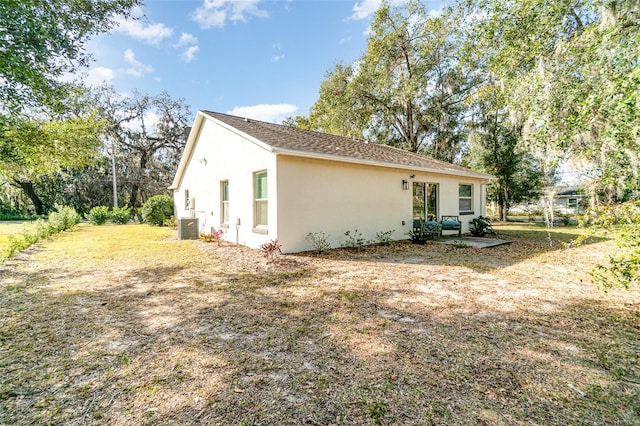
170 345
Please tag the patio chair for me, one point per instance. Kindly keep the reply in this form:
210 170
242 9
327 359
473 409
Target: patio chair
451 223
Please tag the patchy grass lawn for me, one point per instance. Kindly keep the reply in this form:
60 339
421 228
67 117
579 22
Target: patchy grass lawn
126 325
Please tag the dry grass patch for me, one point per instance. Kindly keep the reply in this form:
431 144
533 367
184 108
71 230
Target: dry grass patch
126 325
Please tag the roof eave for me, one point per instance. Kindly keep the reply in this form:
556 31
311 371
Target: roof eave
345 159
194 135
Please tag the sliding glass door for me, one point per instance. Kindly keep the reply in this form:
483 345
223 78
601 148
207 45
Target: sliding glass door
425 201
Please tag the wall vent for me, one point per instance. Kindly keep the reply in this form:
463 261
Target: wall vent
188 228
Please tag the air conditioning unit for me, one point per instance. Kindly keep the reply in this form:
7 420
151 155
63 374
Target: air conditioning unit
188 228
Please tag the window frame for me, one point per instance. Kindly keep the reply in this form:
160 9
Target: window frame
224 203
464 197
187 200
260 204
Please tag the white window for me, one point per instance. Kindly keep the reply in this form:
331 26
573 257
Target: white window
187 200
465 199
572 203
224 202
260 205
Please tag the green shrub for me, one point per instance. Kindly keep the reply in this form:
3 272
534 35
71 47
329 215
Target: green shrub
319 241
121 215
99 215
384 238
157 209
62 219
42 229
355 240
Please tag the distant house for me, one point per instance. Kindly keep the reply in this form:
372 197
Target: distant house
569 200
261 181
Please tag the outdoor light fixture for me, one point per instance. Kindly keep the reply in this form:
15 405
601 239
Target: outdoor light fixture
405 184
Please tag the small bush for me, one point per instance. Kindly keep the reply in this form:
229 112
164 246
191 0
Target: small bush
62 219
271 249
418 236
171 222
214 235
319 241
384 238
354 240
157 209
121 215
99 215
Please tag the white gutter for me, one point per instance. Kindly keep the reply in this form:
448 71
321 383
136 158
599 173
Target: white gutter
345 159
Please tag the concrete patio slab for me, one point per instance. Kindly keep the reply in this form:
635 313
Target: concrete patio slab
478 242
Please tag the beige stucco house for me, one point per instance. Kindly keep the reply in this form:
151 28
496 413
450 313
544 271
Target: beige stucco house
261 181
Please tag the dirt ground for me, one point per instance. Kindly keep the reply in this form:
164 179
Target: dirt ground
126 325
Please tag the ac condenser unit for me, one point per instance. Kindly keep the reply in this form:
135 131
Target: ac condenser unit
188 228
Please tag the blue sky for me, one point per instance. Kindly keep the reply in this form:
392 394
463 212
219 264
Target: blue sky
254 58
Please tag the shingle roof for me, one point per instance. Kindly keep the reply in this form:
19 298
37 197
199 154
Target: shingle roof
294 141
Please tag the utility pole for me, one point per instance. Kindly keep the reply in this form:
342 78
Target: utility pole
113 173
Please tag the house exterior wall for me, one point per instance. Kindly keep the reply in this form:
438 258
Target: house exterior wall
221 154
333 197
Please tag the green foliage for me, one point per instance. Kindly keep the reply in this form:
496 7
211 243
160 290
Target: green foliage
36 152
378 410
407 90
354 240
12 215
171 222
481 226
460 244
622 270
418 236
319 241
496 147
121 215
41 40
61 220
157 209
99 215
570 74
146 155
384 238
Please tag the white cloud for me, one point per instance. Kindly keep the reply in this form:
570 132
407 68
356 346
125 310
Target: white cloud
151 34
137 69
278 58
273 113
189 54
187 39
215 13
345 40
190 44
365 9
99 75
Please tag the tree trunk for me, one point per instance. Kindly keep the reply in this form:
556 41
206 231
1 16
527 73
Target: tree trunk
505 204
135 188
30 191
